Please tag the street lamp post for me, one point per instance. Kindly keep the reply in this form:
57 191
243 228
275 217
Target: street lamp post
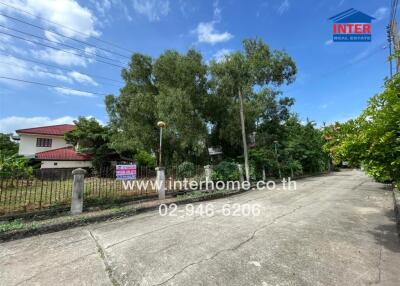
277 161
161 125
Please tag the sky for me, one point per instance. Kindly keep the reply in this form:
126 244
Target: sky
333 83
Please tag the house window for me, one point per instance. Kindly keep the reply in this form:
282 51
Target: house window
43 142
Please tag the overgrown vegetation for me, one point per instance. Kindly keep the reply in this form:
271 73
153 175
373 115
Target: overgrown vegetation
372 140
11 225
225 171
201 105
11 164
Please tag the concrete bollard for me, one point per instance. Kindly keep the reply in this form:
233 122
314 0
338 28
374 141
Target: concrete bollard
77 191
264 177
160 182
207 172
241 176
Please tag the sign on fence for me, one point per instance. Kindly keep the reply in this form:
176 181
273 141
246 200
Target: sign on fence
126 172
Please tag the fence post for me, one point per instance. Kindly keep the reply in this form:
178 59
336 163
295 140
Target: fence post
240 167
77 191
264 177
207 172
160 182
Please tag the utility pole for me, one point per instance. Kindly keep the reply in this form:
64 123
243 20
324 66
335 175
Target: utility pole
246 157
396 43
395 34
277 160
389 38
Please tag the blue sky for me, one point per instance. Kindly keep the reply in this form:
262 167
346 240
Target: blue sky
334 80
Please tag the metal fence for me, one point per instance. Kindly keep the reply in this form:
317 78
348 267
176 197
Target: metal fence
102 187
175 176
52 189
21 192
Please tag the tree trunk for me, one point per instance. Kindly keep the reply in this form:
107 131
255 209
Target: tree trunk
246 158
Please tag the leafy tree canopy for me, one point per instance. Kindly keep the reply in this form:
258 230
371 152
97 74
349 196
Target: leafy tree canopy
373 139
7 146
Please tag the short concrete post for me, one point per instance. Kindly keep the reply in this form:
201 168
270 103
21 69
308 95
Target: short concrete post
160 182
207 172
77 191
240 168
264 177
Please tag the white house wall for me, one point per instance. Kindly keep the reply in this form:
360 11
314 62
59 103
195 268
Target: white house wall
65 164
27 144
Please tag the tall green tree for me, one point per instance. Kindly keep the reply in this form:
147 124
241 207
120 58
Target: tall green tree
171 88
240 73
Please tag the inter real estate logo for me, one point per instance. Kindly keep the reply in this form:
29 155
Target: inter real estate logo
352 26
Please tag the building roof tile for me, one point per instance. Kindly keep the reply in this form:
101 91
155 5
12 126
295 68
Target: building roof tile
62 154
54 130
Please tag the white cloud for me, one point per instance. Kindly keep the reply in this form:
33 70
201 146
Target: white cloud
4 39
126 13
217 11
12 123
66 91
206 33
329 42
53 37
381 13
152 9
67 13
60 57
283 7
16 68
220 55
341 118
82 78
102 6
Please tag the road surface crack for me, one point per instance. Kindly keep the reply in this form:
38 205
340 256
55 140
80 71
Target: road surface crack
109 270
236 247
47 269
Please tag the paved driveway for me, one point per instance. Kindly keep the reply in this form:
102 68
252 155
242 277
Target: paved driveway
333 230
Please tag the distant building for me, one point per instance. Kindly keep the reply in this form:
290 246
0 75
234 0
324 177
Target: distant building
47 144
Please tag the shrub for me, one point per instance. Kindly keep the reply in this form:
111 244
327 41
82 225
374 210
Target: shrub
186 170
226 171
15 166
144 158
292 166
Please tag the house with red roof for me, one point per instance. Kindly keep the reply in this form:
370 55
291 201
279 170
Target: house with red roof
47 144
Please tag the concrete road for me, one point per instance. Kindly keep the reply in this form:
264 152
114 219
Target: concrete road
332 230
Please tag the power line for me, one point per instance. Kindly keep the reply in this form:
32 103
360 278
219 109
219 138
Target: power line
61 35
66 27
53 86
345 66
65 51
393 11
56 42
62 68
40 71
